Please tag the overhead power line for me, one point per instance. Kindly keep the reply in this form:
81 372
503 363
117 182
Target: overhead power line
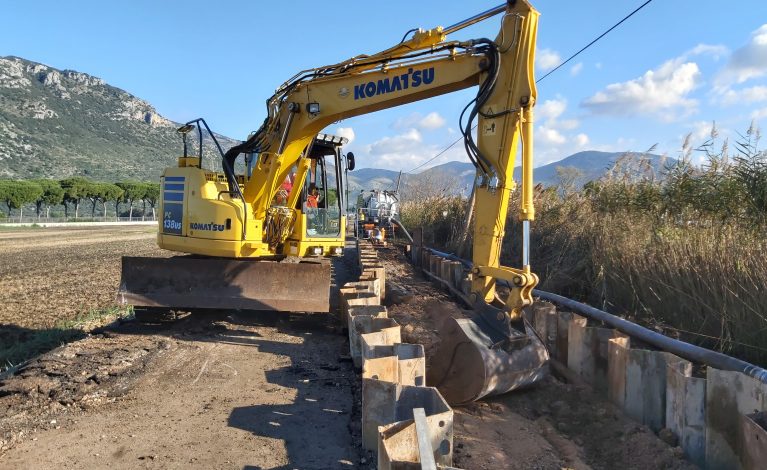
595 40
546 75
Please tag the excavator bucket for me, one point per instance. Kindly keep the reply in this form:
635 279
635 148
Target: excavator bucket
188 282
474 359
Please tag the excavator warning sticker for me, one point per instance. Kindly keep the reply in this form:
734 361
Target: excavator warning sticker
173 205
488 128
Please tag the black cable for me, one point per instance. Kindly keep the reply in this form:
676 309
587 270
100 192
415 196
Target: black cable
405 36
595 40
437 155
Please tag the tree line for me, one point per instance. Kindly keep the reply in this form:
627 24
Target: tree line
72 192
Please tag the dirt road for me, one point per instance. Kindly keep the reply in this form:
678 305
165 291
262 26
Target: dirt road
220 391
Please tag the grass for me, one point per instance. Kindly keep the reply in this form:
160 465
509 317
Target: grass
684 254
19 344
20 228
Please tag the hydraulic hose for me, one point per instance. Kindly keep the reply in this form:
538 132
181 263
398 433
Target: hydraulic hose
404 230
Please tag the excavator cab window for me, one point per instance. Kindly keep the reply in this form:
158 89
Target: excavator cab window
321 201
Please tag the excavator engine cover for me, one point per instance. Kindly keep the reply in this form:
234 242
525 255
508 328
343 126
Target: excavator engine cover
189 282
474 360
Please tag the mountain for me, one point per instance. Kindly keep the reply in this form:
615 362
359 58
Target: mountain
593 164
58 123
589 165
372 178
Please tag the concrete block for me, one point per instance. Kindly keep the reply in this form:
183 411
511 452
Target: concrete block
686 409
544 320
383 337
587 352
386 403
637 382
373 285
408 445
425 259
754 448
375 311
563 329
357 298
376 271
456 274
415 255
367 260
370 262
434 264
364 324
401 363
445 267
729 395
617 352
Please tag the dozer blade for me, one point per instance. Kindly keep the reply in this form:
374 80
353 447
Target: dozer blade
187 282
474 360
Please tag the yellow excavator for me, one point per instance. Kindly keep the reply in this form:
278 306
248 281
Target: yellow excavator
258 234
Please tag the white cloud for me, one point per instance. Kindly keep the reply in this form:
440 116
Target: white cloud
547 59
549 136
701 131
432 121
576 69
568 124
759 114
714 50
429 122
552 141
347 132
747 62
753 94
406 151
661 92
550 109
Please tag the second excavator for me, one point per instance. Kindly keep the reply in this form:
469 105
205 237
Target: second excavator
257 235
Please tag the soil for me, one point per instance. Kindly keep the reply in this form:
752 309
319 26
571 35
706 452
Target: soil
551 425
253 390
47 275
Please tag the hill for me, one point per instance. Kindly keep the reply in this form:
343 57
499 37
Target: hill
590 165
58 123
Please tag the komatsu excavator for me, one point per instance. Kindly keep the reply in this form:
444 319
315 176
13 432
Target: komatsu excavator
260 239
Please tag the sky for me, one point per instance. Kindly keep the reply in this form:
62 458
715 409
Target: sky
671 70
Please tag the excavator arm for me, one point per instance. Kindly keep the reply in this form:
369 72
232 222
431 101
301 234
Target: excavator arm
419 68
495 351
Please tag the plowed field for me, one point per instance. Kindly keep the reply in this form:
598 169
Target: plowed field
47 275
